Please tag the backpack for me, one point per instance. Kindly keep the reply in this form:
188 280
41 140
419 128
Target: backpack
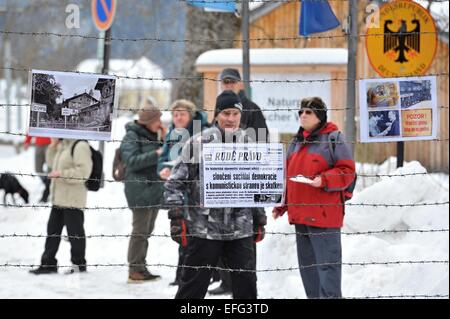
119 167
332 138
95 179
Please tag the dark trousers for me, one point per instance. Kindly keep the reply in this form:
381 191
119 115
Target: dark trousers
239 254
321 247
73 219
46 192
181 257
225 276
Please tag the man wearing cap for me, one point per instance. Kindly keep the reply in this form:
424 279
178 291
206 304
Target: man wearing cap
212 233
252 117
140 150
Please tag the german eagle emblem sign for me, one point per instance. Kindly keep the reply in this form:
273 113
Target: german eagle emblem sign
404 42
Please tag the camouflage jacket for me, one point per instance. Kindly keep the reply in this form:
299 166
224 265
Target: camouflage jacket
208 223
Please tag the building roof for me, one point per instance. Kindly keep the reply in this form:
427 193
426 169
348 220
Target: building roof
309 56
79 95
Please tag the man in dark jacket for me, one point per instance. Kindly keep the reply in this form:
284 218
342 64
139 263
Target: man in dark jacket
252 116
252 119
213 232
140 150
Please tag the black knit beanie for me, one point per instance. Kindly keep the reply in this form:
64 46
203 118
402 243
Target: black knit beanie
227 100
317 106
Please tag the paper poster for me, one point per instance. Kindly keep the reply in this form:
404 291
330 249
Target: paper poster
398 109
242 175
71 105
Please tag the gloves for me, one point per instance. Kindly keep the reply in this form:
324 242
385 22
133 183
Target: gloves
178 228
259 221
259 233
178 231
279 211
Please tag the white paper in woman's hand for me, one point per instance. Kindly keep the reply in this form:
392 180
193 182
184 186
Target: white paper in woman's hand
301 179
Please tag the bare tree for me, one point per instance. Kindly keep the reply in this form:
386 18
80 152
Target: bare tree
202 25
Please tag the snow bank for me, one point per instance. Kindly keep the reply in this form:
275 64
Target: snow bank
276 251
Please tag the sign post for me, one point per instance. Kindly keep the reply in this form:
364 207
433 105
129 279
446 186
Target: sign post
39 108
66 112
103 13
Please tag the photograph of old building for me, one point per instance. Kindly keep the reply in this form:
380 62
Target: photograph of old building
74 105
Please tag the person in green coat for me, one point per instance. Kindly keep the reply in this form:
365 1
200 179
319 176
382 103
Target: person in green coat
140 150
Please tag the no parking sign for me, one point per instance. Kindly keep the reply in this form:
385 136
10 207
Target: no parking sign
103 12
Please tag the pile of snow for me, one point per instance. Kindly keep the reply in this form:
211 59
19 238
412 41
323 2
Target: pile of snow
276 251
376 280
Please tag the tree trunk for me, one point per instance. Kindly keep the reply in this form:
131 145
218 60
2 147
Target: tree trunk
201 25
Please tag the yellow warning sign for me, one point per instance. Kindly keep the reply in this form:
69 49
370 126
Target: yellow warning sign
417 122
405 41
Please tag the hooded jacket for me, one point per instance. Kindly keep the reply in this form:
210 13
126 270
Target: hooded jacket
310 156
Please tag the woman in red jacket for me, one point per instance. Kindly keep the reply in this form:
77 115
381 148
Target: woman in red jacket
319 153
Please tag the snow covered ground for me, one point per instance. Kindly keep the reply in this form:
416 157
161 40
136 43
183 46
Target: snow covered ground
276 251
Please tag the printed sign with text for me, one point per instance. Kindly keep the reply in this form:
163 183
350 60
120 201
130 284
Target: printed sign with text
243 175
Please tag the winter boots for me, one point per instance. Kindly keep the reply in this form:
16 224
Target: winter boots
141 276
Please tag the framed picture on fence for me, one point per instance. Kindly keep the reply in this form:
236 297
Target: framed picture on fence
71 105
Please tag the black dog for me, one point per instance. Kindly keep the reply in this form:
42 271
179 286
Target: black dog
11 185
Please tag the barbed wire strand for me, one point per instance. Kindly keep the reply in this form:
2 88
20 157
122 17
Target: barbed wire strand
161 265
161 143
284 234
146 181
136 109
381 205
202 78
185 41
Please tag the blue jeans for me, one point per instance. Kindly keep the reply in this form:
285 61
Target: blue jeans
323 245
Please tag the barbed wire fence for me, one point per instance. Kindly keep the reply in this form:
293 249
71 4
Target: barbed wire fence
445 231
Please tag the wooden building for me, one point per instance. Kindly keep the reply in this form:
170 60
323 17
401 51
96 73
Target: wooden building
275 25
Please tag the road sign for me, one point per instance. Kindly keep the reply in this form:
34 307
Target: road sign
37 107
405 41
103 12
67 112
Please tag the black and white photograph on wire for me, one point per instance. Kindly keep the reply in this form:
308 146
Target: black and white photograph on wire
71 105
384 123
415 94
